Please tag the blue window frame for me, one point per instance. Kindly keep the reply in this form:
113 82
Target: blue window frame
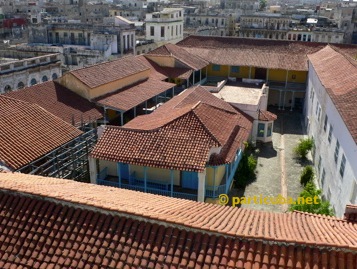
270 127
235 69
216 67
261 129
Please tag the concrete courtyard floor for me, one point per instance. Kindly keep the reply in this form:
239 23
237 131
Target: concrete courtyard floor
278 172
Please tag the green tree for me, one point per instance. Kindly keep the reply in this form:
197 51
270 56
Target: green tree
320 207
246 170
304 146
262 4
307 175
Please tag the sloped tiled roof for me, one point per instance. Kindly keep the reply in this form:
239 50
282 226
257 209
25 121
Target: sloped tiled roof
48 223
338 74
178 135
265 115
59 101
263 53
28 132
103 73
190 60
133 95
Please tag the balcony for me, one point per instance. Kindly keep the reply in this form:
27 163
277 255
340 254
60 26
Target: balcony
167 188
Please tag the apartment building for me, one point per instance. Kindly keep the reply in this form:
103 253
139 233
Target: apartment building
331 120
165 26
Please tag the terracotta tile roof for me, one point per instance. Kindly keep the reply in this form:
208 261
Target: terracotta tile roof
157 72
48 223
338 74
275 54
194 95
192 61
265 115
133 95
178 135
59 101
103 73
28 132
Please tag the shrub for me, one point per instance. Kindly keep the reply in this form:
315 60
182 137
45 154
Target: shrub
246 170
321 207
304 146
307 175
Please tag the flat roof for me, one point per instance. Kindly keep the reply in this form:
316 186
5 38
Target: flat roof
248 94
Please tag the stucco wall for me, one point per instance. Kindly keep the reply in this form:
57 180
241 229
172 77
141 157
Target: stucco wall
74 84
217 180
338 189
162 60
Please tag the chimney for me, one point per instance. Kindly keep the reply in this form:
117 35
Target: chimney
351 213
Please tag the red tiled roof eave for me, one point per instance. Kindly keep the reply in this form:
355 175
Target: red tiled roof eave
59 101
192 61
308 229
28 132
134 95
107 235
265 115
103 73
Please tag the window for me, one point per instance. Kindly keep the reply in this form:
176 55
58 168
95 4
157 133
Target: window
330 134
54 76
216 67
343 165
270 127
261 127
337 151
176 29
162 31
325 124
323 177
152 30
235 69
44 78
329 194
7 88
33 81
354 193
20 85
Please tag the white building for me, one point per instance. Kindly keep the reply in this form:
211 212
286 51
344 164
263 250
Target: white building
331 120
165 26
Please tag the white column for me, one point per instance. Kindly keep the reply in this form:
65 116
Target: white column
92 170
284 100
201 186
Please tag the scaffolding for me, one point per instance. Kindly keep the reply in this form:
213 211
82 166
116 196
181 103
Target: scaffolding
68 161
